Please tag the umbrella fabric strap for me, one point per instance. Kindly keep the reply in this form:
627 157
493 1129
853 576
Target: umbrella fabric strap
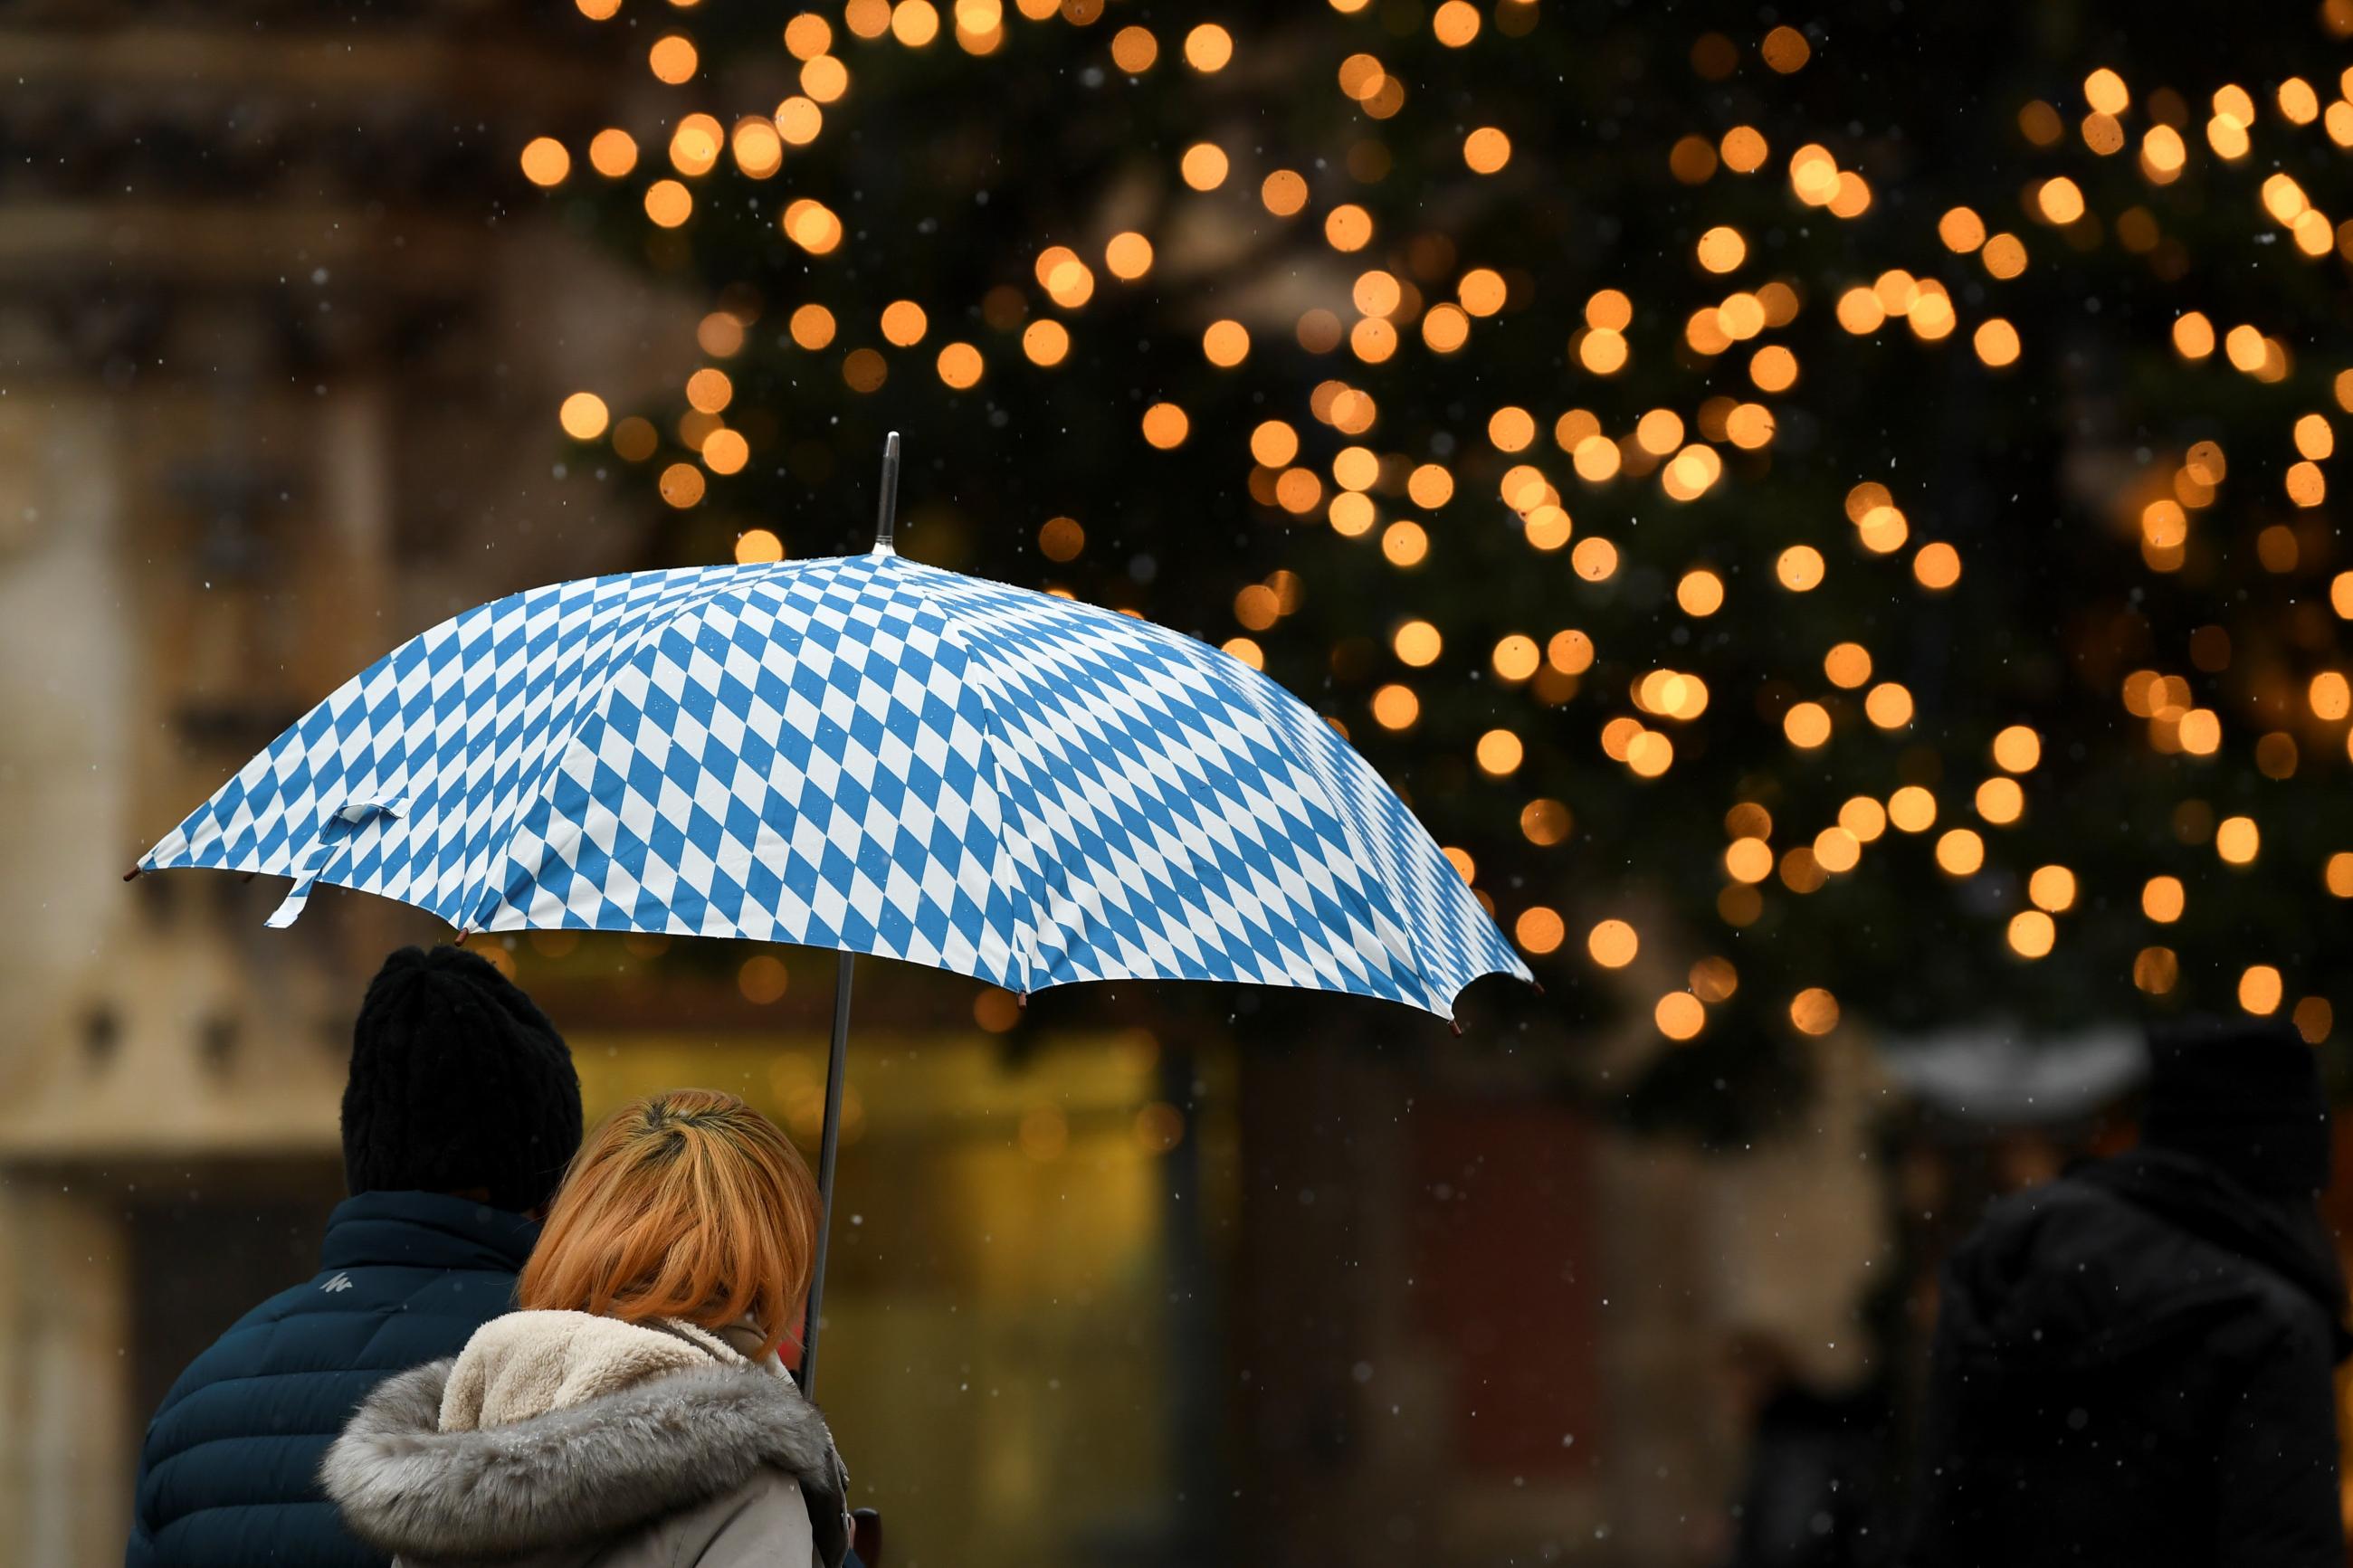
339 824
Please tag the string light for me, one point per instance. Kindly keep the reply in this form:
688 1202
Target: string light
1679 1016
583 416
1613 943
1814 1011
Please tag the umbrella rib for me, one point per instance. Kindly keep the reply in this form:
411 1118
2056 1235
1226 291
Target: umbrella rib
995 735
1385 916
1371 895
486 896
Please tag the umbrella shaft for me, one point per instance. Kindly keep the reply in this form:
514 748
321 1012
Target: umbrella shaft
829 1144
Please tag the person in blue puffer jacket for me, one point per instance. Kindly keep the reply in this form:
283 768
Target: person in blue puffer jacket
461 1112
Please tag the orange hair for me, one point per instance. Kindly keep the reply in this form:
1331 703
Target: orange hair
688 1204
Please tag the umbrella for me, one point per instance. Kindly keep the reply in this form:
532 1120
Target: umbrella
862 753
1998 1071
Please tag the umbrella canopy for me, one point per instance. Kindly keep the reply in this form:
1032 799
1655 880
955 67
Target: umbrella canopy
861 754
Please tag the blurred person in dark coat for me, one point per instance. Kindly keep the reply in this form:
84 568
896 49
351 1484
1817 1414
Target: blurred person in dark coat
1811 1495
2134 1363
460 1114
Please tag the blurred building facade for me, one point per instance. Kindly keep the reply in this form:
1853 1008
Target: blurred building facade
278 369
269 352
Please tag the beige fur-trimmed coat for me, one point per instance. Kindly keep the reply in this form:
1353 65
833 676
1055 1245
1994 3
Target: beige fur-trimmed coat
563 1440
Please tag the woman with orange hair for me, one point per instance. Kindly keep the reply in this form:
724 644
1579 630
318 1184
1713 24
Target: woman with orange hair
636 1412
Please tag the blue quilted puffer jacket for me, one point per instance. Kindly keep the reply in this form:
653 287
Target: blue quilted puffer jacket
228 1477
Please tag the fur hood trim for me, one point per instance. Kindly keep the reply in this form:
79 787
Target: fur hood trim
578 1474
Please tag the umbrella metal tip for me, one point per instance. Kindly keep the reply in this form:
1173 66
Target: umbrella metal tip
886 510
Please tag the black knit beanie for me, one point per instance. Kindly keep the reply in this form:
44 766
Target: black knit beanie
457 1082
2243 1095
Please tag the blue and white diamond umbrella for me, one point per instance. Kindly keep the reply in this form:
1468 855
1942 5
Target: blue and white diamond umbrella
861 754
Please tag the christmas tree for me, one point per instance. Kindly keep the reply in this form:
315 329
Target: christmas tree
1826 522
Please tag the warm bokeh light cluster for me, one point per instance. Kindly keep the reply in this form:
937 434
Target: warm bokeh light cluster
1691 600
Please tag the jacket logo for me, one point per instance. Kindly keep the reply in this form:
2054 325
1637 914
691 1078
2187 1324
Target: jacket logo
339 1282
